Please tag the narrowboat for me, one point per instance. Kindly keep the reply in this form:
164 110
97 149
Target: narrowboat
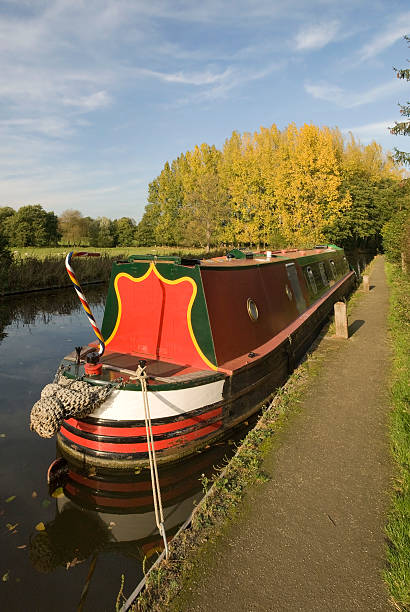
216 338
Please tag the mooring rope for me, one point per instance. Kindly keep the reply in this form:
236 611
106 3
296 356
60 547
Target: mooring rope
141 375
81 295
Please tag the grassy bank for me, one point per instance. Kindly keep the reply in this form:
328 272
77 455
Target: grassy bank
35 268
397 574
33 273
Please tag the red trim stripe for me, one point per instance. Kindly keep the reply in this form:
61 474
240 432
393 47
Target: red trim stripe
101 485
165 480
131 432
127 502
141 447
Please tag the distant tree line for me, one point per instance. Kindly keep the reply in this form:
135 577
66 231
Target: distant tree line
294 187
33 226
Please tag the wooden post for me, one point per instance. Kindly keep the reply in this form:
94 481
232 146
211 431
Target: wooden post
342 330
366 283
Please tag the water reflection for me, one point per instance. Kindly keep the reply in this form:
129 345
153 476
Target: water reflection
43 306
35 330
100 512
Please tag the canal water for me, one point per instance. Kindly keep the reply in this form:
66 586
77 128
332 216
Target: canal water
67 546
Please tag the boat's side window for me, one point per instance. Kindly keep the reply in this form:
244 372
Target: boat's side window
323 273
346 265
252 309
311 279
333 269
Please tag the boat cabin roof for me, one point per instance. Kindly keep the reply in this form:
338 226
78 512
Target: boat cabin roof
240 258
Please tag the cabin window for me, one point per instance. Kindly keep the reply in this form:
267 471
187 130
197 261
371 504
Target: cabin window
252 309
346 265
289 292
311 279
323 273
333 269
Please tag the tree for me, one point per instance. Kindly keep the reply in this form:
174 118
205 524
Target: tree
124 230
402 127
73 226
206 210
371 179
33 226
308 184
102 233
6 215
146 228
396 229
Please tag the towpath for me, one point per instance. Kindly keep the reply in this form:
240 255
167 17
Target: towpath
312 537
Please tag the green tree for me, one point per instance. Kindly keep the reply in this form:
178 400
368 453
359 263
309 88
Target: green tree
170 198
124 230
33 226
6 215
102 233
147 228
396 230
402 127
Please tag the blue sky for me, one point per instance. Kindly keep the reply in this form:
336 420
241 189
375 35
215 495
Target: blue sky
95 95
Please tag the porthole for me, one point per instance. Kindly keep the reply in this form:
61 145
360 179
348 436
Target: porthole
333 269
252 309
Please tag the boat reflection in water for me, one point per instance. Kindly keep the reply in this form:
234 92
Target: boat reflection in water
99 510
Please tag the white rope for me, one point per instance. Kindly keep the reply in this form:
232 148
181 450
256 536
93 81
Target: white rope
156 491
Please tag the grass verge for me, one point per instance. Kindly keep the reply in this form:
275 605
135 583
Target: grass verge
167 583
397 574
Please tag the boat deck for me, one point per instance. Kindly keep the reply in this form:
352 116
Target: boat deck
124 366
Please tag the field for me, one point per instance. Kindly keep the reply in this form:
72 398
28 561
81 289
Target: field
61 251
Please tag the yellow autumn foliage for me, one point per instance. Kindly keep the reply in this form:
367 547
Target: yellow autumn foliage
290 187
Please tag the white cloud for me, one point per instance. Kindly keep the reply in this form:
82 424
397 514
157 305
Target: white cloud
96 100
346 99
371 131
394 31
197 79
54 127
316 36
234 79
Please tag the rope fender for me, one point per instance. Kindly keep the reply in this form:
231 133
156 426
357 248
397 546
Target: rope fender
63 399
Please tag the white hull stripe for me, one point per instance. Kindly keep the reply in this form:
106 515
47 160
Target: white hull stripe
123 405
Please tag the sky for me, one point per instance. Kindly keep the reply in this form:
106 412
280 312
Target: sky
96 95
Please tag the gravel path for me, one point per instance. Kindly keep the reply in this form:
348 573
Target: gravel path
312 537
